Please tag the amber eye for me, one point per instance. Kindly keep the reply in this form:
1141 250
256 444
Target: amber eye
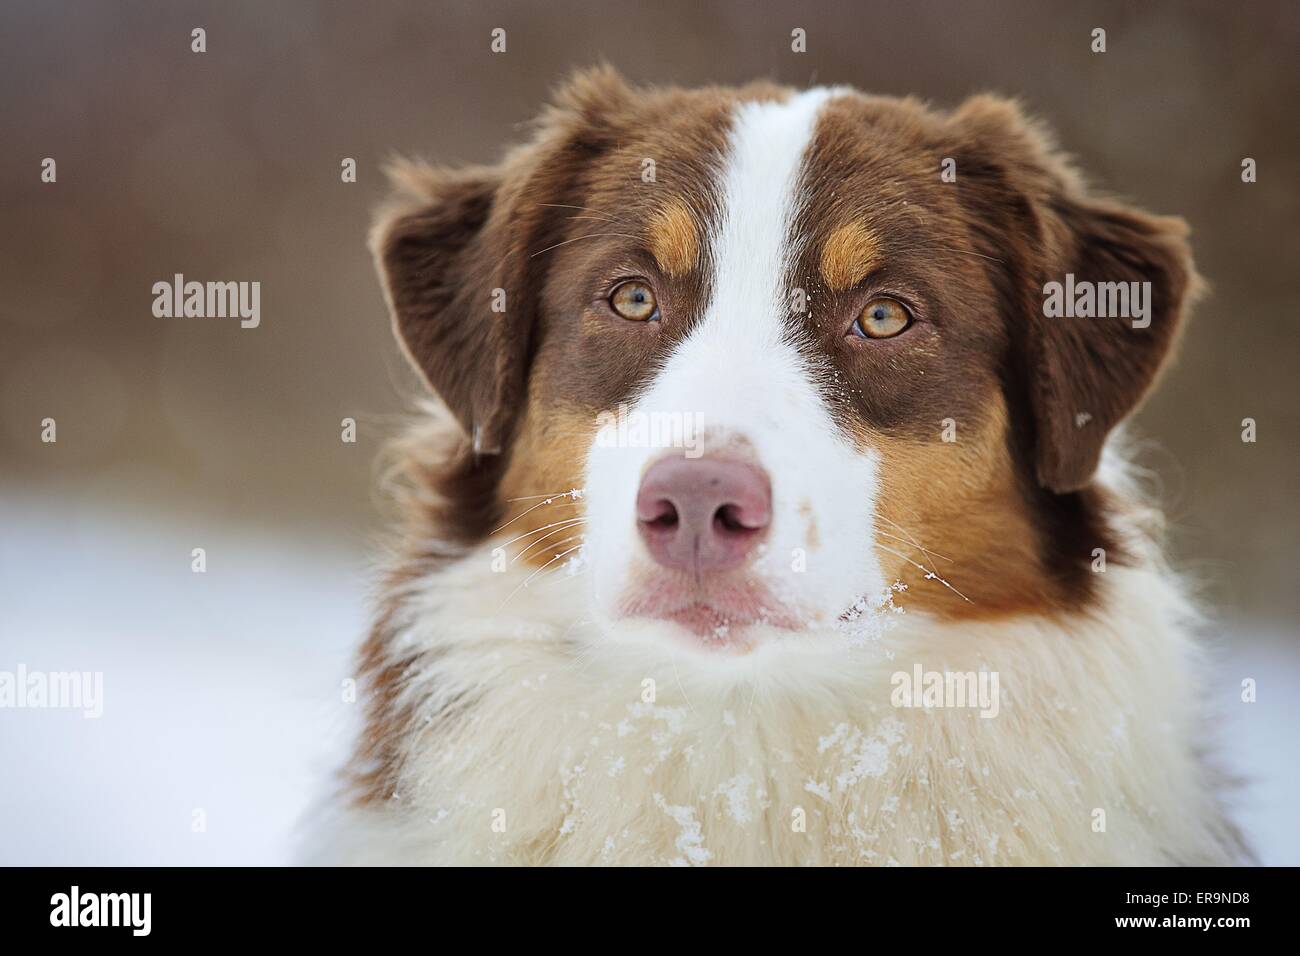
634 300
882 319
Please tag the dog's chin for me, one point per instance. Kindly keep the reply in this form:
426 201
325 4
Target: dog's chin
734 616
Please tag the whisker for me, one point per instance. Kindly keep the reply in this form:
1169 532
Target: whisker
574 493
566 578
524 583
930 575
554 544
565 205
592 235
528 511
566 521
967 252
914 544
911 539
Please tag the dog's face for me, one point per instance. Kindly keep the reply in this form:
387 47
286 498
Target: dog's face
791 349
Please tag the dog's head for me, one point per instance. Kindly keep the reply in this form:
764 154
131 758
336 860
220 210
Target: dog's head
789 349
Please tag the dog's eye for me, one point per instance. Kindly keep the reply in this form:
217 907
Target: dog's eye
634 300
882 319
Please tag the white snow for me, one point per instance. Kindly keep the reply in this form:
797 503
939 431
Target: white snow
690 841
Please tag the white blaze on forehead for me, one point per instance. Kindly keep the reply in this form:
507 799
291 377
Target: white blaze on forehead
751 249
739 368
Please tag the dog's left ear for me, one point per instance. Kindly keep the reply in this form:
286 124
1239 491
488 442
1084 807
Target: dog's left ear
1030 211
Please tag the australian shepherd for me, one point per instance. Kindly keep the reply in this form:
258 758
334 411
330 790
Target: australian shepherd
772 510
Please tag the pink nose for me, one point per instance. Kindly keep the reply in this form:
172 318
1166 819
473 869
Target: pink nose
703 514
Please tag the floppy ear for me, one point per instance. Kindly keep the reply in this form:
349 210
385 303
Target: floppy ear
456 252
438 271
1087 374
1081 375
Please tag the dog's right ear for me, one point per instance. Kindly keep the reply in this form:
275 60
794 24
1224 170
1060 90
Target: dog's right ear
457 253
439 273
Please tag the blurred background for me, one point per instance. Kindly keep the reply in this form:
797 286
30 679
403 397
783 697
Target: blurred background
222 689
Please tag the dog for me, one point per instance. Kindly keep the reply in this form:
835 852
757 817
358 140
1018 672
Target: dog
765 514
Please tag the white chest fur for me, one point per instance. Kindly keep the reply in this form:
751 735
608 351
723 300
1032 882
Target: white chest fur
571 747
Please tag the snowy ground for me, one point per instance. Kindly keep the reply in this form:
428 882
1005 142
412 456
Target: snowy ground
221 690
222 693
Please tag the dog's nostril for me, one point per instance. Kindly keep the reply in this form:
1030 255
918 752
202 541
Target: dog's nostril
666 516
728 519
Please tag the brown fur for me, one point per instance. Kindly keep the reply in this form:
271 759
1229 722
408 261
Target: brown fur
674 240
848 256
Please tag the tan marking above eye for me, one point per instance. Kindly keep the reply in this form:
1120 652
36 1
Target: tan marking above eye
849 255
673 238
882 318
634 300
